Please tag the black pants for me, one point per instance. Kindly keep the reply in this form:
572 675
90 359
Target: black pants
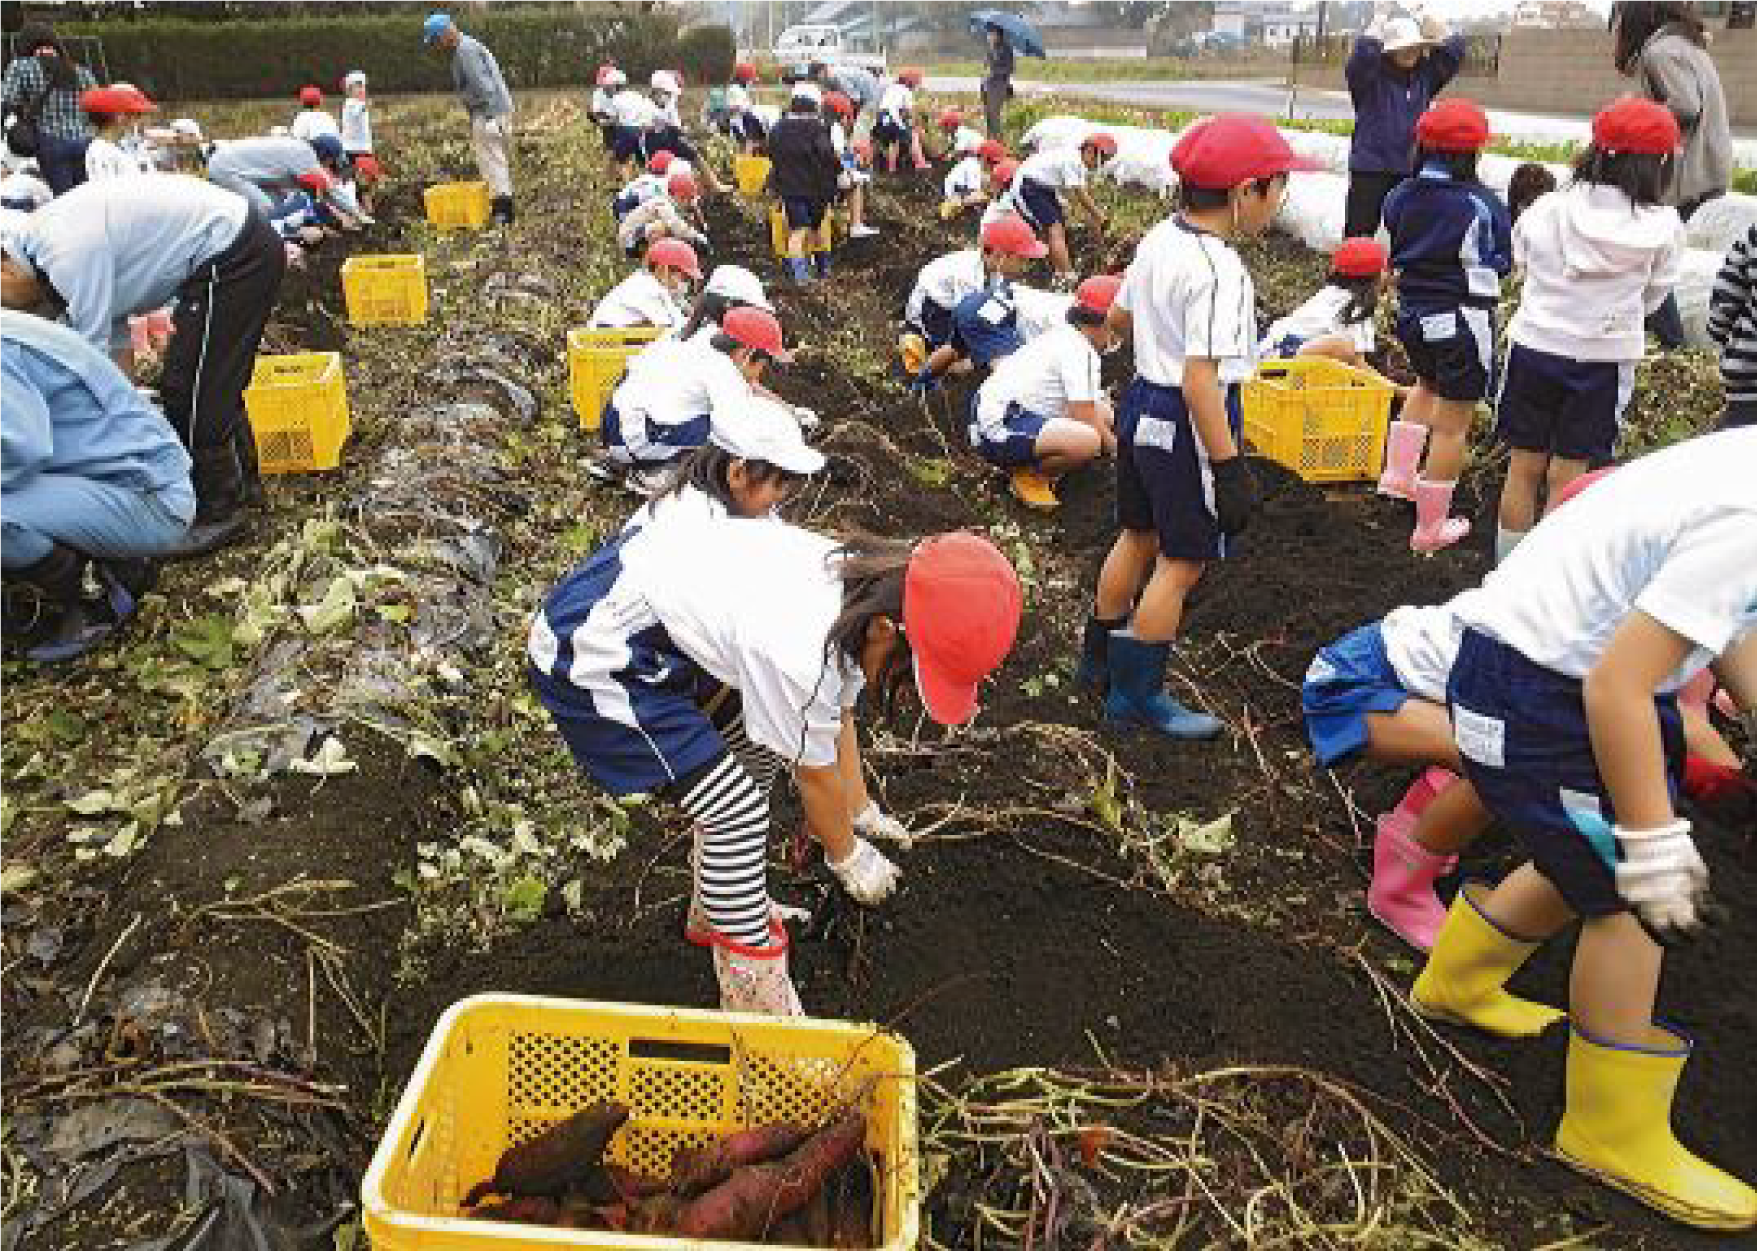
1367 190
995 94
221 312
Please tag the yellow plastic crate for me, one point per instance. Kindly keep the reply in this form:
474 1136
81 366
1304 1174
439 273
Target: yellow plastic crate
298 410
1318 417
385 290
826 235
596 361
499 1069
458 205
751 173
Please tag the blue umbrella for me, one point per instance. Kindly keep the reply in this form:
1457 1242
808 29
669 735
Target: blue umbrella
1018 31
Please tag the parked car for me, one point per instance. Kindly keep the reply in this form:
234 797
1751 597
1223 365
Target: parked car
799 46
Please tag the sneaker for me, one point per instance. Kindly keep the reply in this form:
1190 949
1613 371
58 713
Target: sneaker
862 231
647 483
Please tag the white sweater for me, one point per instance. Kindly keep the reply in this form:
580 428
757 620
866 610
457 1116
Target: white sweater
1595 265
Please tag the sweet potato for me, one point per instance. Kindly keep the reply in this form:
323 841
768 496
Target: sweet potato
759 1195
562 1155
529 1210
657 1215
851 1207
697 1169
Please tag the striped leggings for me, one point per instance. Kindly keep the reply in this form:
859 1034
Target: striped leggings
729 799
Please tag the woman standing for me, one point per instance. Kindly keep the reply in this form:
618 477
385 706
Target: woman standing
43 86
997 84
1394 72
1664 48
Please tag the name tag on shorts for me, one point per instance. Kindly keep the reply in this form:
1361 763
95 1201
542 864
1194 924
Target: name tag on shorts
1479 738
994 312
1437 326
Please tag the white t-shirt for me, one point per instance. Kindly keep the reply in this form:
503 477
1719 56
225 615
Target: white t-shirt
676 380
965 178
896 102
1056 167
600 108
1061 368
752 603
356 126
639 300
1040 312
1189 295
1673 534
643 187
690 506
310 123
947 279
632 109
104 159
1319 317
1422 644
966 140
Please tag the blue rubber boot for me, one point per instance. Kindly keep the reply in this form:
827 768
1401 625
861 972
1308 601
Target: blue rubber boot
799 269
1137 692
1094 672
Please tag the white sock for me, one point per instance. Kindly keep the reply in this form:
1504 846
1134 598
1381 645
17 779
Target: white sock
1506 540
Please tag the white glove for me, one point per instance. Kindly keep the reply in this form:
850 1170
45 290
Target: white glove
844 180
1661 875
876 824
808 420
866 874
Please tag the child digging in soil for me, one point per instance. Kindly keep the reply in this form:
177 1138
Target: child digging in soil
1563 702
806 175
1337 322
856 158
1450 246
1191 308
655 294
984 323
357 137
664 216
894 131
1036 195
694 660
1598 256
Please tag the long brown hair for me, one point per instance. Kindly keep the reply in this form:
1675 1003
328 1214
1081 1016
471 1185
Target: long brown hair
872 570
1634 22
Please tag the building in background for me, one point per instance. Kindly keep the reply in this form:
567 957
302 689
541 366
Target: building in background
1557 14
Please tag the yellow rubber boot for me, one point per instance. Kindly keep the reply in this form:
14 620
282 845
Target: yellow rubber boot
1617 1128
1033 489
1465 978
912 348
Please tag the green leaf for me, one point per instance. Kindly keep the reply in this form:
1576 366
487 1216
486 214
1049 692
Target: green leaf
207 641
68 727
334 611
331 759
16 877
523 898
1210 839
93 803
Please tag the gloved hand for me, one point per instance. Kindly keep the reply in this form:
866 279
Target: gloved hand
1235 494
845 181
1723 792
1661 875
806 417
875 823
866 874
924 382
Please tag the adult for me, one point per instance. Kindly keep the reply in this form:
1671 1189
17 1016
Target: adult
89 471
106 251
1664 49
997 82
1395 70
476 77
859 84
42 87
266 169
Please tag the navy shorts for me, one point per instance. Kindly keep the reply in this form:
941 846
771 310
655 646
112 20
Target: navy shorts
1162 479
1015 445
802 212
1347 680
1038 204
935 324
1561 406
1451 350
1521 731
625 143
985 326
639 442
886 132
622 205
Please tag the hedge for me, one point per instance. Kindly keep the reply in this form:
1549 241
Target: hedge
172 59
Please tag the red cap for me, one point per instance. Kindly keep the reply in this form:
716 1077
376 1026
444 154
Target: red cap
1359 258
1229 149
660 161
961 610
909 76
950 119
316 180
992 151
311 95
675 253
839 102
1580 484
1637 125
1005 170
1096 294
744 72
1104 141
114 101
681 185
756 328
1013 235
1453 125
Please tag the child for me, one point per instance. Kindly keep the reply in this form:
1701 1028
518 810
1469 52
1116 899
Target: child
602 107
1732 323
960 139
1564 711
1042 413
110 110
805 176
727 288
966 187
662 408
778 630
983 325
643 187
662 217
1529 183
667 90
1450 246
1598 257
312 119
894 129
653 294
1337 321
1036 194
755 459
1000 178
631 113
357 135
746 130
1189 303
856 158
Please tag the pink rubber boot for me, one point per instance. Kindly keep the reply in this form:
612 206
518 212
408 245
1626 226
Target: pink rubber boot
1401 896
1404 441
1434 529
915 150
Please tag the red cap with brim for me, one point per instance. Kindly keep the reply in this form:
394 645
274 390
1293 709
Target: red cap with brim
1230 149
756 328
961 609
1644 127
116 101
1453 125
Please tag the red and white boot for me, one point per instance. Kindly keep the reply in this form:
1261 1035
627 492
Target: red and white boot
755 979
1404 443
1435 529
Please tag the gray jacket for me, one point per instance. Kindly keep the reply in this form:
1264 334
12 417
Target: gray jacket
1680 75
476 77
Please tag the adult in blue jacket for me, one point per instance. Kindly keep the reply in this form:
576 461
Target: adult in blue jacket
89 471
1394 73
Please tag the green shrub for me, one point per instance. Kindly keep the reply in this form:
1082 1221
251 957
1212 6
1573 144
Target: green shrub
174 59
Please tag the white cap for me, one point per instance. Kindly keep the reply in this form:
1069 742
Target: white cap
354 78
615 78
735 282
737 97
1402 32
762 429
803 90
666 81
187 126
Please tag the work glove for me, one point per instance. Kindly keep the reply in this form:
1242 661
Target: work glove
1661 876
1235 494
875 823
845 181
806 417
866 874
924 382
